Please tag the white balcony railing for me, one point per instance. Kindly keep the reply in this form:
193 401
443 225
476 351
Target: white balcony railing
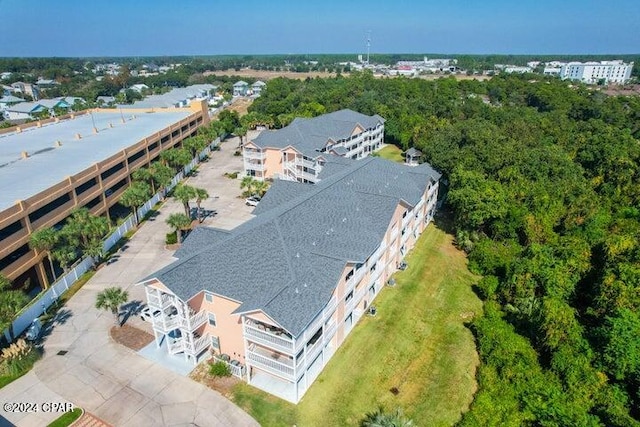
250 154
270 364
330 329
305 163
169 323
161 301
258 166
394 234
199 344
269 339
313 351
329 309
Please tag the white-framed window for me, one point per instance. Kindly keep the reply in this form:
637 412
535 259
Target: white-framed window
208 296
212 319
215 342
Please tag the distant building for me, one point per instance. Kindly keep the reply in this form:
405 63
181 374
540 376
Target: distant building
552 71
45 83
594 72
176 98
509 69
105 100
27 89
5 75
240 88
257 87
139 87
9 100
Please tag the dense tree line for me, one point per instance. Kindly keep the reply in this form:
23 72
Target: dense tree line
544 193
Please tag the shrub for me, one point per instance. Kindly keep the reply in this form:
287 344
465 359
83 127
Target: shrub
231 175
172 238
219 369
18 358
237 153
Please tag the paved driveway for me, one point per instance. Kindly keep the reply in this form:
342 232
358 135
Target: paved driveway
109 380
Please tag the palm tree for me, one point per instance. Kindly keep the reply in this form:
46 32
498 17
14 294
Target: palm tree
112 299
380 418
201 194
240 131
184 193
179 222
161 174
260 187
45 240
247 182
11 302
136 195
146 175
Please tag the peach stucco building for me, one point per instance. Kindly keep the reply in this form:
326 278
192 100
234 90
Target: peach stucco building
276 296
299 151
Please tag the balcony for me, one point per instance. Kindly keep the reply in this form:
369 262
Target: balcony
161 301
270 339
166 324
251 154
355 279
258 166
305 163
330 329
272 362
329 309
198 345
394 234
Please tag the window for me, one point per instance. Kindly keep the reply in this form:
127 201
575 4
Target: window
215 343
349 275
208 296
212 319
373 268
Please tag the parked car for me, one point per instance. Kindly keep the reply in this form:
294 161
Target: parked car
252 201
146 314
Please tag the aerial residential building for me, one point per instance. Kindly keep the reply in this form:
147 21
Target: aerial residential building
258 87
30 110
27 89
594 72
240 88
9 100
275 297
51 167
299 151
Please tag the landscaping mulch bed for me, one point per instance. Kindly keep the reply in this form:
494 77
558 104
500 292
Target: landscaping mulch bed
131 337
222 385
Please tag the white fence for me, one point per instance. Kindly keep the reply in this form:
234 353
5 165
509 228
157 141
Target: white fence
45 299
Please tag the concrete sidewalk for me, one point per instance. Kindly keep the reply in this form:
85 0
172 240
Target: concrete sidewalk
109 380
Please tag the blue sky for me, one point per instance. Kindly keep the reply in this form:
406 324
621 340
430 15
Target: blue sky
189 27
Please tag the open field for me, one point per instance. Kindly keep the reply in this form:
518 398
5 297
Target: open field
268 75
391 152
416 354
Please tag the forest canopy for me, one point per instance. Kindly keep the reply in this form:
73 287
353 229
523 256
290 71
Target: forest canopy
544 194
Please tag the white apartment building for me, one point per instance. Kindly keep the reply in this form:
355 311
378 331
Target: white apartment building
593 72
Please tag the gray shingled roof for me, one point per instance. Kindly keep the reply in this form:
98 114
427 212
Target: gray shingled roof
288 260
412 152
309 136
279 193
198 238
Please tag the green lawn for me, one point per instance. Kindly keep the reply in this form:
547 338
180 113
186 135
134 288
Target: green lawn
391 152
417 343
67 419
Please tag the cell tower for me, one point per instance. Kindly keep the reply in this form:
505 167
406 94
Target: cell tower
368 45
